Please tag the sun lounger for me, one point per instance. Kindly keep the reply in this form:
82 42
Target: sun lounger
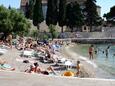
27 53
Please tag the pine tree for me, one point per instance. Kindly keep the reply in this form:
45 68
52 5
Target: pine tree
9 7
52 12
78 15
29 9
74 17
91 12
37 13
62 14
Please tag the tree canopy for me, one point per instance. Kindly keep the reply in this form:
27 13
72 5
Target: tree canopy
29 9
52 12
110 14
74 17
62 13
38 13
91 12
12 20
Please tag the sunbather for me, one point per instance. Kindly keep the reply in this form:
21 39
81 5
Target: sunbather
51 70
5 66
34 69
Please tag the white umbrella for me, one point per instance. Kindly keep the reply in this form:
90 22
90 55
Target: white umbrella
68 63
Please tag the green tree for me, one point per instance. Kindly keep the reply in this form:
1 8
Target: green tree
38 13
62 13
9 7
52 31
52 12
74 17
91 13
5 22
110 14
34 34
29 9
12 20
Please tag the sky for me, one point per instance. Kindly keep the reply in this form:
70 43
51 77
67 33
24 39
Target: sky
105 4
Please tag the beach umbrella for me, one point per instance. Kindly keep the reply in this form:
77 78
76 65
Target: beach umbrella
68 63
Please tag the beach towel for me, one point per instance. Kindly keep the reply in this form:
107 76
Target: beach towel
5 66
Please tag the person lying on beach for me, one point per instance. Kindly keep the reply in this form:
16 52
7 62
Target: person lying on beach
48 71
30 69
1 42
51 70
34 69
5 66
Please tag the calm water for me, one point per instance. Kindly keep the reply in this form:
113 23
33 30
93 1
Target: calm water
107 63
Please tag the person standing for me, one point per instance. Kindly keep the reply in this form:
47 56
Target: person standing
9 39
78 68
106 51
91 49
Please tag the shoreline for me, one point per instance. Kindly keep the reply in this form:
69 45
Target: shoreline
90 67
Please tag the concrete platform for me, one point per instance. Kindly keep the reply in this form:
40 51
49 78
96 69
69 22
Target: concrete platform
24 79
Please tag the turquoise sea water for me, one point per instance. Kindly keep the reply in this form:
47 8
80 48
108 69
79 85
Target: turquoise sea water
107 63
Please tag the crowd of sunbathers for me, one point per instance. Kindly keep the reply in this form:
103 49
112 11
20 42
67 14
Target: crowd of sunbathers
47 49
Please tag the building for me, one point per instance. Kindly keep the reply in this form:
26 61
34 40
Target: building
99 10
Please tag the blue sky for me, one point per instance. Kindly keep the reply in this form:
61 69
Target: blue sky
105 4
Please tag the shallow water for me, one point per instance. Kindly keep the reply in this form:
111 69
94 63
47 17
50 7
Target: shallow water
106 63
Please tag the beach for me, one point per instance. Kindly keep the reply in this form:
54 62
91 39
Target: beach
90 68
72 52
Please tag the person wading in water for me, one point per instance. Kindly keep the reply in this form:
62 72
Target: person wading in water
91 49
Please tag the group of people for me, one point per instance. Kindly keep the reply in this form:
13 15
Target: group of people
93 51
49 49
35 68
7 41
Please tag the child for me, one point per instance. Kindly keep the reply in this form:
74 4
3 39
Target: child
78 68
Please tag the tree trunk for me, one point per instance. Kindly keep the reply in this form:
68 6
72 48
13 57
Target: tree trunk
38 27
52 32
71 29
62 29
90 28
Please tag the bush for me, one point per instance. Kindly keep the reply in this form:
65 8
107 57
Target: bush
53 32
